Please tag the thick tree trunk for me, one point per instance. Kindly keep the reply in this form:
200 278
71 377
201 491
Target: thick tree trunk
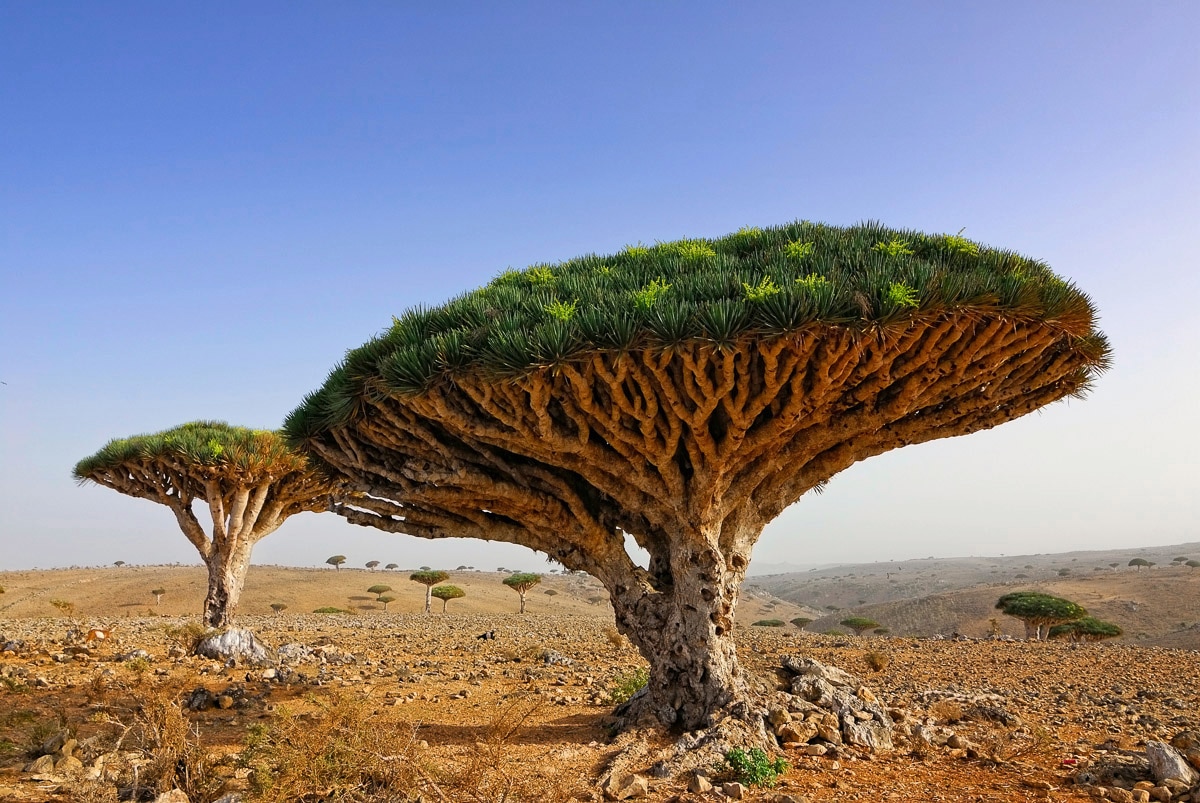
428 597
685 632
226 575
522 594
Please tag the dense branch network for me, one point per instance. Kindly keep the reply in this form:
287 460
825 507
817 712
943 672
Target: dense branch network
565 459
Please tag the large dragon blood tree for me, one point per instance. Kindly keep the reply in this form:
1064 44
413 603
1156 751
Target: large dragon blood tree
251 480
685 394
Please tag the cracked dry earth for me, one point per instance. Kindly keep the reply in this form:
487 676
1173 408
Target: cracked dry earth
524 716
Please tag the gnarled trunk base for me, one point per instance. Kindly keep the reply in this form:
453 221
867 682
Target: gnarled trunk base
226 576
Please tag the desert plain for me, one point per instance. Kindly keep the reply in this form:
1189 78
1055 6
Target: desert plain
369 704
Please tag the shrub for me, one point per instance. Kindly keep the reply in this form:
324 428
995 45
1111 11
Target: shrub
333 753
753 767
769 623
627 684
379 588
802 622
878 661
447 593
859 624
278 607
66 607
330 609
385 599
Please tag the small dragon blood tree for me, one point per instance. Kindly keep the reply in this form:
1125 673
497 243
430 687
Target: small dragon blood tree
250 478
685 394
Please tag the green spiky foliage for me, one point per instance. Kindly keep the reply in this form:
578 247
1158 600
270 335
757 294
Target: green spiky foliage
521 582
379 588
1087 628
859 624
753 282
447 593
1039 611
429 578
251 479
684 394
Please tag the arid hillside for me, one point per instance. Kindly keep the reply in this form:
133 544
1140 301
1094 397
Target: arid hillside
1158 606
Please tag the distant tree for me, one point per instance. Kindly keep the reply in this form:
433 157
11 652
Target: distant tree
882 631
501 569
118 563
336 561
1180 559
426 569
278 607
1114 564
521 582
447 593
379 588
1193 564
251 480
769 623
802 622
371 564
1088 628
429 578
392 566
550 592
1063 572
859 624
461 569
158 594
385 599
1039 612
1141 562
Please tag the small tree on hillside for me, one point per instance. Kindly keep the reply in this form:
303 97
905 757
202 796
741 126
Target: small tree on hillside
859 624
1088 628
1193 564
385 599
521 582
1141 563
802 622
392 566
379 588
1038 612
371 564
336 561
118 563
447 593
251 479
429 578
158 595
278 607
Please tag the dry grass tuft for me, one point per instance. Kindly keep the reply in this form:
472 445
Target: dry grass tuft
877 661
341 751
947 711
616 638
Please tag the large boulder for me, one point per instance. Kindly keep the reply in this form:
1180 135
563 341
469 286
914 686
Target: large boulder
1167 762
234 644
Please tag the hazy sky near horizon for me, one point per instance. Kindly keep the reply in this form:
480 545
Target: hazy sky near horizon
202 207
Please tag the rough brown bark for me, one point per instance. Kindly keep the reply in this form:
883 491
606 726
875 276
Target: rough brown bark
226 577
691 450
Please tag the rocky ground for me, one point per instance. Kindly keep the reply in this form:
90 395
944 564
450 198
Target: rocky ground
413 706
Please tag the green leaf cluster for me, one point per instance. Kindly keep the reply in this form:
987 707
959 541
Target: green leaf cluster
200 444
522 580
1089 628
429 577
753 767
1034 605
754 282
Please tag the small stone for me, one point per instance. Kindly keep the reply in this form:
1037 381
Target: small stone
699 785
1118 795
734 790
628 787
68 765
41 765
1140 796
173 796
224 701
270 674
1160 793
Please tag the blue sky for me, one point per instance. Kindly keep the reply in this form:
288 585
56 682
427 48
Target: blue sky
203 207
